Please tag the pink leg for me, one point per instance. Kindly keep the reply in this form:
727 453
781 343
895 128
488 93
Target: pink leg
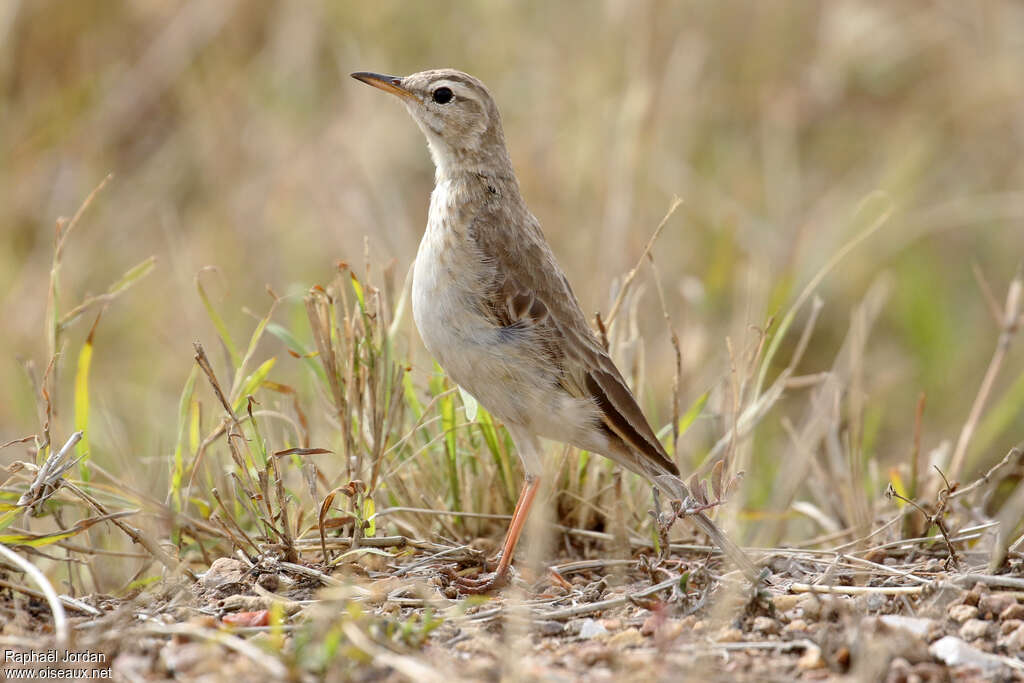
515 530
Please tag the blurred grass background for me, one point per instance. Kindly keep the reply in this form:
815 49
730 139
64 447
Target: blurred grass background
237 140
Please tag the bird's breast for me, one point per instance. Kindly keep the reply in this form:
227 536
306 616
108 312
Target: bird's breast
447 277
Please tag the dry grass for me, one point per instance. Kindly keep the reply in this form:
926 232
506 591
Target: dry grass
833 310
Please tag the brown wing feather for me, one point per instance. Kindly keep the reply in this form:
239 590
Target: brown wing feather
539 297
621 415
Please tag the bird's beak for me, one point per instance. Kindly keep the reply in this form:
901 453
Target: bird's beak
391 84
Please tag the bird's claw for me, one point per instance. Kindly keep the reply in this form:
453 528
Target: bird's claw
476 585
482 584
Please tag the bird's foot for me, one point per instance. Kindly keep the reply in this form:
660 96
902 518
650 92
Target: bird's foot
477 585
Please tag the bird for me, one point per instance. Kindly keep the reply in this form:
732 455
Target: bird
497 312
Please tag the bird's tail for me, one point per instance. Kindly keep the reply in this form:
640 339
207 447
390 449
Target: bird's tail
674 487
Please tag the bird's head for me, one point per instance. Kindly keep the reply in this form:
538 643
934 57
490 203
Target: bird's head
455 112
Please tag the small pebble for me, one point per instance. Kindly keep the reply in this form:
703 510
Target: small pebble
784 603
595 653
224 570
899 670
729 635
766 625
811 659
796 626
592 629
269 582
992 605
629 638
974 629
791 615
1014 611
1014 643
1009 626
843 658
612 624
874 601
917 626
961 613
811 606
670 630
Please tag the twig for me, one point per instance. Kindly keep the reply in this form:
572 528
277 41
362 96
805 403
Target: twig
68 601
632 273
1009 324
24 439
63 236
990 580
1015 452
137 536
932 519
578 610
321 577
855 590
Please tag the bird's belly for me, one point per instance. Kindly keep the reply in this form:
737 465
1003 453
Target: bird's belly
503 371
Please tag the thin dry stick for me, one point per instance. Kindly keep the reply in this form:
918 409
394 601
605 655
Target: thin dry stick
152 547
677 377
579 610
78 215
934 519
856 590
1015 452
65 600
1009 325
632 273
24 439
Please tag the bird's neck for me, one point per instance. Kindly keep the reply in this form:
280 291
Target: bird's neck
490 158
463 190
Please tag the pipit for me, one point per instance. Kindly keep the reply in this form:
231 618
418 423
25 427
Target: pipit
497 312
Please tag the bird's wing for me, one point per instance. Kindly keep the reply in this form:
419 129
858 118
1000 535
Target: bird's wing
530 292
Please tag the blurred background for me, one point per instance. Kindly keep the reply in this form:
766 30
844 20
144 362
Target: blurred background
237 140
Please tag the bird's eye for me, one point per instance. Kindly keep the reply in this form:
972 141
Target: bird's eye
443 95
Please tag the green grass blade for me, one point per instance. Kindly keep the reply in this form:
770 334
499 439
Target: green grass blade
82 402
178 464
253 382
218 322
490 435
133 275
446 406
691 414
254 341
